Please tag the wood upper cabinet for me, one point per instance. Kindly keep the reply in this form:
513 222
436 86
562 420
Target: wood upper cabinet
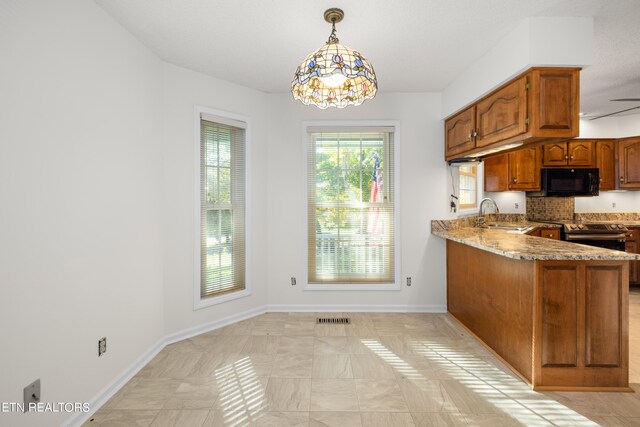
502 115
524 169
605 162
629 163
539 104
516 171
459 131
569 153
555 102
496 173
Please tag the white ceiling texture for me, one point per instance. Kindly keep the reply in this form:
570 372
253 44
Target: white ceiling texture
414 45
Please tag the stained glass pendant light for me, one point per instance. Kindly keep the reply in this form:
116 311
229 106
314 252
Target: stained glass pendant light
334 75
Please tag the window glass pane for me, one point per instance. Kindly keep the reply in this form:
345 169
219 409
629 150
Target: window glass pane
468 183
211 185
224 194
225 151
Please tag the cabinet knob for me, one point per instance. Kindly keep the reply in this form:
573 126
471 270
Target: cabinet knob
549 235
622 179
566 157
571 157
515 180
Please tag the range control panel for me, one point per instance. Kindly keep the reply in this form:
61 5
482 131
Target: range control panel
594 228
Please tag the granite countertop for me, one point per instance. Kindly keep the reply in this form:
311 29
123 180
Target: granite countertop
522 246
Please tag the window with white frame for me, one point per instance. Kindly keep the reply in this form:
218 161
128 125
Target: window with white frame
351 222
221 241
468 186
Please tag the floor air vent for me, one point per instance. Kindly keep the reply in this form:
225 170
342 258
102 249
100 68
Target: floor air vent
333 321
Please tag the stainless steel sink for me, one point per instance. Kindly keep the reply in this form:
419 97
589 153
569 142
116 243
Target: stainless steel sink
508 227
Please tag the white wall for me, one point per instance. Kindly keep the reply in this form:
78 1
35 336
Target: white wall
80 167
611 127
537 41
423 185
182 90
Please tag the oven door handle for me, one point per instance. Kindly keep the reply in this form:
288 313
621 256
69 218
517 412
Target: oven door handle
578 237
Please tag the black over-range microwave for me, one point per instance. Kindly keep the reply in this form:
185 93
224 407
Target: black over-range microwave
568 182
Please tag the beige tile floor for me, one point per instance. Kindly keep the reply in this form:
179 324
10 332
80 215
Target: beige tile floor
281 369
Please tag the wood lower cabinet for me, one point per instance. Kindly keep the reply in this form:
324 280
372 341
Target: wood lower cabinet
578 153
632 244
550 233
515 171
560 325
605 151
629 163
539 104
547 233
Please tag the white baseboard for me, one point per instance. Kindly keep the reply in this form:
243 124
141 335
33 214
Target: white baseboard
201 329
358 308
106 394
136 366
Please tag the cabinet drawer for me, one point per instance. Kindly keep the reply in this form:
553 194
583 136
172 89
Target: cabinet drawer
550 233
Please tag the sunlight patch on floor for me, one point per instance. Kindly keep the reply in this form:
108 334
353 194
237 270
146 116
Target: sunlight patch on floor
241 393
496 387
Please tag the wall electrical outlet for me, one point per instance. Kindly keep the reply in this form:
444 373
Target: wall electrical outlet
408 281
613 205
31 394
293 281
517 205
102 346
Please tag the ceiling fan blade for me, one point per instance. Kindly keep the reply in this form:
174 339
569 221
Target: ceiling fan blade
627 99
617 112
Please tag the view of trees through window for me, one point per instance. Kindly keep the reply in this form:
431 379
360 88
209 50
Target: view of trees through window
350 207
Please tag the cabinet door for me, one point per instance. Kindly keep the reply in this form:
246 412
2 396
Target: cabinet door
554 154
524 169
550 233
555 102
496 173
629 163
580 153
605 162
459 131
502 115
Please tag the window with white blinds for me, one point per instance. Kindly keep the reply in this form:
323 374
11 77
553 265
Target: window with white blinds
222 206
468 175
350 207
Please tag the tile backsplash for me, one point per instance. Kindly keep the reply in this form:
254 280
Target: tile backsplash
550 208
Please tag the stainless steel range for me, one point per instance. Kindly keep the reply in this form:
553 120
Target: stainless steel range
610 236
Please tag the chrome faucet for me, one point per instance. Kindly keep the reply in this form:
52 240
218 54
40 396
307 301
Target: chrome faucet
480 220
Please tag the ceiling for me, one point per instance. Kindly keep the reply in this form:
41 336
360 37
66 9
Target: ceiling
414 45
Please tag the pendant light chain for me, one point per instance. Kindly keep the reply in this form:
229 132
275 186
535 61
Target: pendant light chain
333 38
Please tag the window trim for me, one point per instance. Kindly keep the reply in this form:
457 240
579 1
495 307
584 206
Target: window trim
353 126
198 301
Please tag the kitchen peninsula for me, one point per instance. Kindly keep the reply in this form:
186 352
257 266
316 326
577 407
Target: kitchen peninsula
555 311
